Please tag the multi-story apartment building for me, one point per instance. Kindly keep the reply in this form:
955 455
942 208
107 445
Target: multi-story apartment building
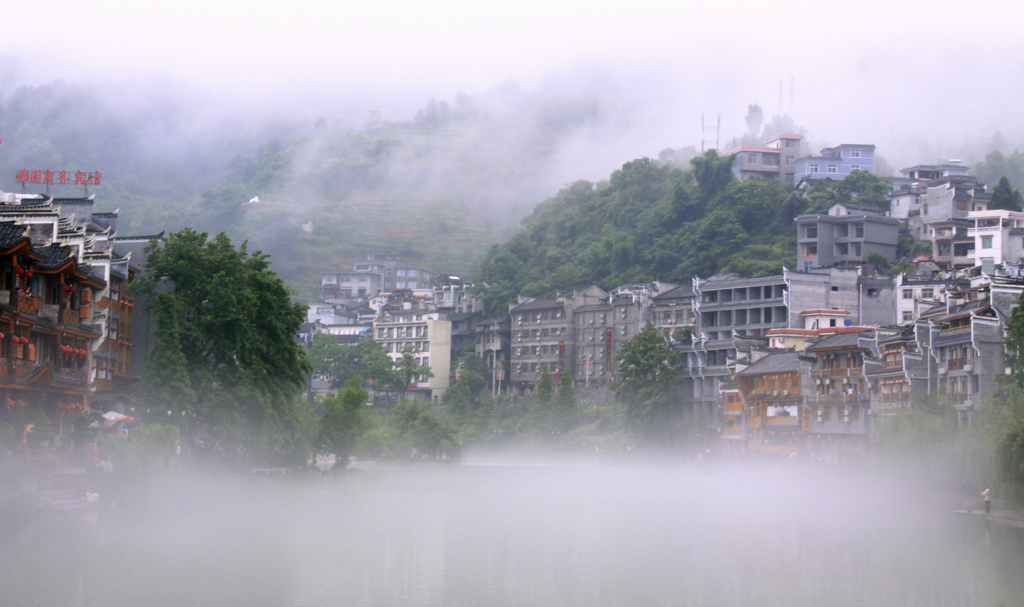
594 334
847 235
905 198
837 397
998 237
774 160
772 408
916 295
544 336
965 342
951 246
728 308
835 163
428 334
541 341
672 312
454 295
937 201
898 372
379 272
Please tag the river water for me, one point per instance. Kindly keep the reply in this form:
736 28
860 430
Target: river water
483 534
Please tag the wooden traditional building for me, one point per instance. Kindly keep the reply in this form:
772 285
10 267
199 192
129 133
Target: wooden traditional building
66 318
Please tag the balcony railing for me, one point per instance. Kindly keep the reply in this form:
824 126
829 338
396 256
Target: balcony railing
896 397
838 372
955 364
837 398
28 304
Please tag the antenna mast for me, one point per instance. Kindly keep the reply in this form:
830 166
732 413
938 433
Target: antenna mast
709 134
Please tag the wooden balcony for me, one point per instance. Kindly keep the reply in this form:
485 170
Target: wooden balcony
954 364
837 398
69 316
28 304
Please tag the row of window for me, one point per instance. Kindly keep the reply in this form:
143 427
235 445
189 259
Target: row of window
402 332
554 314
535 350
535 333
396 347
926 293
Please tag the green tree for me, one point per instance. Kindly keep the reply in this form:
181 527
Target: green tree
565 398
425 433
647 370
712 172
1005 197
545 388
166 385
408 370
231 319
344 421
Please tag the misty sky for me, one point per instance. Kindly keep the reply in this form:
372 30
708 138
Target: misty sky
942 73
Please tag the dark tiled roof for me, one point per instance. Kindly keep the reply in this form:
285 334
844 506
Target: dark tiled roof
680 292
10 234
537 304
774 363
54 256
840 340
592 308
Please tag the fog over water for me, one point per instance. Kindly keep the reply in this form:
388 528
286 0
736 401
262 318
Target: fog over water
582 533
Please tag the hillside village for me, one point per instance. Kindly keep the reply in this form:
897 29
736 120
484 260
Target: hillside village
806 360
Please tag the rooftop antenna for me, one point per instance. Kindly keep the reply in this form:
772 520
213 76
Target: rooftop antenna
709 134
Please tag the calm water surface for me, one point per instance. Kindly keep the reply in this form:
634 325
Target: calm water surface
521 535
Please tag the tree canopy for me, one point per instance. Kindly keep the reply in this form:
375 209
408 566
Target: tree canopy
655 221
647 366
225 327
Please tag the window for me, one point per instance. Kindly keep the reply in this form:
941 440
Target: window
986 242
790 143
426 361
854 167
811 231
927 293
854 153
811 250
790 159
833 168
812 168
908 294
752 158
908 317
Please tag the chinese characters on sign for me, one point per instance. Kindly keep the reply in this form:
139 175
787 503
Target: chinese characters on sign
58 177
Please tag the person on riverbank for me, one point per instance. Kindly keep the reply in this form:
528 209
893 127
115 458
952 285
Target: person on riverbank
987 494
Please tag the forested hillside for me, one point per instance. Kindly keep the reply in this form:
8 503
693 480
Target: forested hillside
438 189
658 222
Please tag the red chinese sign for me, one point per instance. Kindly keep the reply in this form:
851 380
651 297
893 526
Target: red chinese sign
58 177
